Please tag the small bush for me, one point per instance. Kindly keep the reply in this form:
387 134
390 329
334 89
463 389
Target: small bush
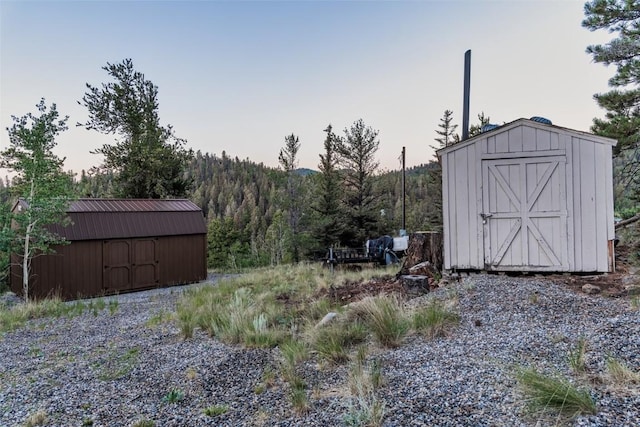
544 392
144 423
434 320
215 410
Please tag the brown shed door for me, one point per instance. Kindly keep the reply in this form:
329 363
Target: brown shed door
129 264
525 214
116 255
145 264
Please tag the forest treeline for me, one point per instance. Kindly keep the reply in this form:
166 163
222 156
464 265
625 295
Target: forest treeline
245 207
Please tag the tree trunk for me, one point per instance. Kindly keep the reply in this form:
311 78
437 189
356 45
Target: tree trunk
423 246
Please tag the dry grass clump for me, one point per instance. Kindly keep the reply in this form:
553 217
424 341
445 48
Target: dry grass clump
434 320
545 393
333 342
385 318
263 308
577 357
365 408
15 316
38 418
619 375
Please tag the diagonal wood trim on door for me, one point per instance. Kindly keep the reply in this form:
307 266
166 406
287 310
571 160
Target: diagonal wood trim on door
505 186
516 192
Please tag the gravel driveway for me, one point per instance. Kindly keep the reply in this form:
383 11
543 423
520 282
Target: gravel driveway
113 369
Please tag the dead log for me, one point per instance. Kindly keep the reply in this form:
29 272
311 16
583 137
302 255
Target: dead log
627 221
423 246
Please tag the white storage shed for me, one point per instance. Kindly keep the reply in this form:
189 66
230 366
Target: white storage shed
528 196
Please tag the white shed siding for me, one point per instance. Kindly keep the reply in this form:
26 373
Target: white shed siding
460 196
549 193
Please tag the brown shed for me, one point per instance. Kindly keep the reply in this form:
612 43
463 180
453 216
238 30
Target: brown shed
120 245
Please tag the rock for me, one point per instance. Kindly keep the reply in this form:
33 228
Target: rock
415 284
590 289
328 318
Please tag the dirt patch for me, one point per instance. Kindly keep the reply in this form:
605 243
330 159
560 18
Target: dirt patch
614 285
355 291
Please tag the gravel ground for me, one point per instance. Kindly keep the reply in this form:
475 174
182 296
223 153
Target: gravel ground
114 369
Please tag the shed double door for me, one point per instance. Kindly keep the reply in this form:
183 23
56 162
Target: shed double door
524 214
129 264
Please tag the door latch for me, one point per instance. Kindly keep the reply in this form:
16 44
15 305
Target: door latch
485 216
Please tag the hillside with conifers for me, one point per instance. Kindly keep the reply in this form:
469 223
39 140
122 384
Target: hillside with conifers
246 208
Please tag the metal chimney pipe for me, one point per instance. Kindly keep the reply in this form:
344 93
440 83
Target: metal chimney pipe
465 99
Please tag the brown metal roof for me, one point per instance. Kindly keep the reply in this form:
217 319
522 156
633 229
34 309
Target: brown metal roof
100 219
133 205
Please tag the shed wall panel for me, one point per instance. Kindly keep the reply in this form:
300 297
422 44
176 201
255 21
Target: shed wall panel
447 224
182 259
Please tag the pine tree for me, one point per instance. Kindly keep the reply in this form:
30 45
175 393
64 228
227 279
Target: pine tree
357 159
288 159
328 223
447 131
477 128
149 160
622 103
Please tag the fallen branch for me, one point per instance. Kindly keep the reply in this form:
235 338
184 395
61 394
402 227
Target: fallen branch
627 221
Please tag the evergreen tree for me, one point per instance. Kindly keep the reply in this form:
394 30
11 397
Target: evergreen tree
328 224
221 236
477 128
288 159
357 159
447 131
622 103
40 182
149 161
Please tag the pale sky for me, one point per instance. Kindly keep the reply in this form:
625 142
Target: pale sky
239 76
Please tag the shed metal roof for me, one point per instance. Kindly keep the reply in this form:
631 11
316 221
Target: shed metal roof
101 219
133 205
